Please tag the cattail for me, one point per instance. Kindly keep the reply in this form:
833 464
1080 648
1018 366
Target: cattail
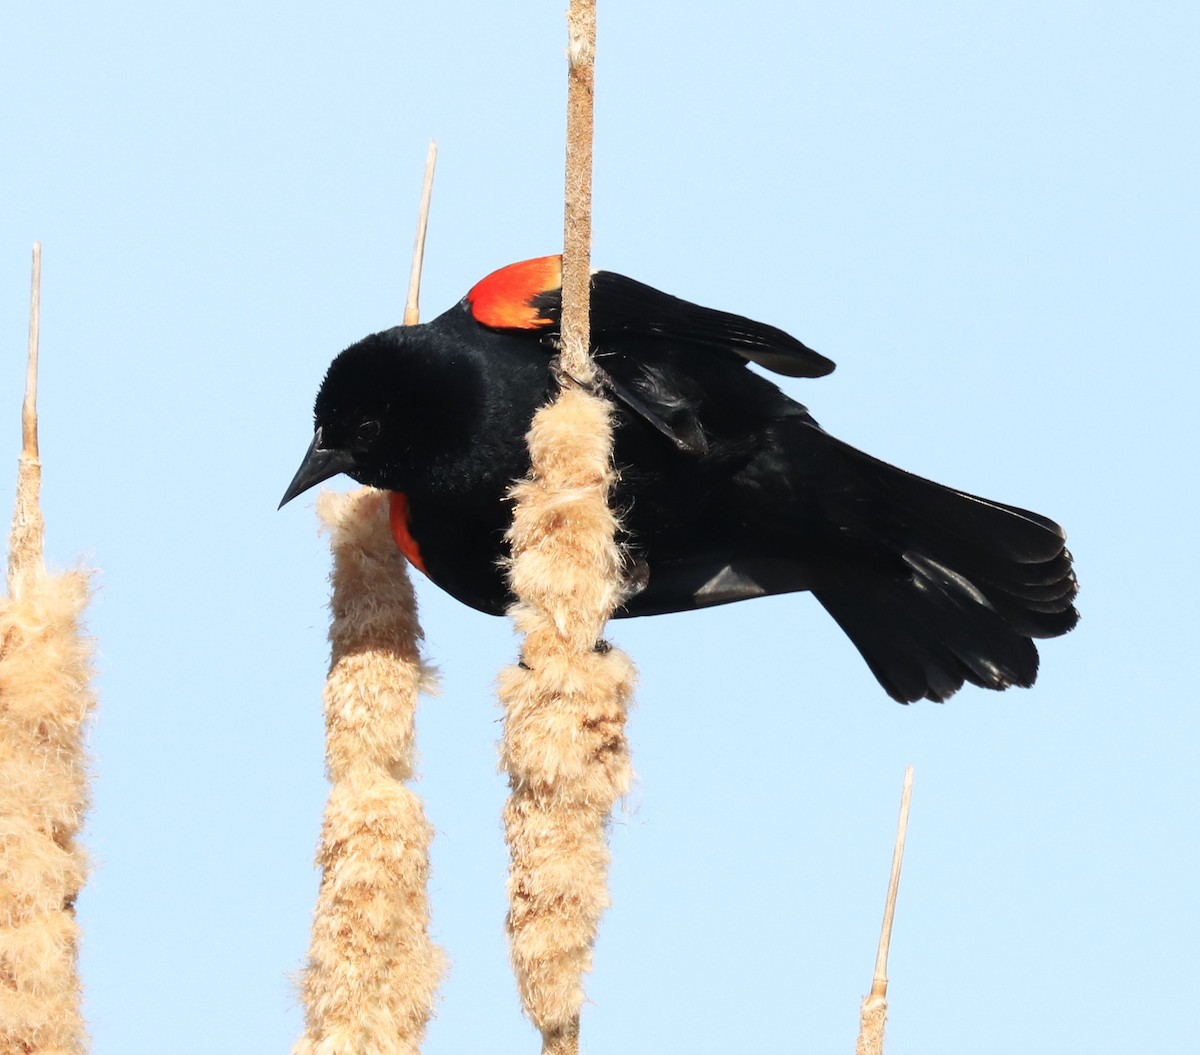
372 969
45 702
565 704
873 1012
564 746
372 974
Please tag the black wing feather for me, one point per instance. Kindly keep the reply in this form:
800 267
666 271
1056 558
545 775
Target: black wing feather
623 305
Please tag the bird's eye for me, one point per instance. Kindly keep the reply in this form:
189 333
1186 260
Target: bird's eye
367 431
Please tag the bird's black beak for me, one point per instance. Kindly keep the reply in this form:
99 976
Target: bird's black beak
319 464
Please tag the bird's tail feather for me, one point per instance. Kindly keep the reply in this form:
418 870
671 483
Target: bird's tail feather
942 587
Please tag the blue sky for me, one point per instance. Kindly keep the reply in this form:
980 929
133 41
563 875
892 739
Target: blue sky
987 215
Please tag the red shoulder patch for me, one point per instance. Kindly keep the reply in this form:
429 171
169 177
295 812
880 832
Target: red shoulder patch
398 518
504 300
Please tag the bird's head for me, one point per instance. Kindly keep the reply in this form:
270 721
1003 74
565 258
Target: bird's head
365 417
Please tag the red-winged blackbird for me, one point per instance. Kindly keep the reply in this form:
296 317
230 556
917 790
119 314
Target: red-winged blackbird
728 488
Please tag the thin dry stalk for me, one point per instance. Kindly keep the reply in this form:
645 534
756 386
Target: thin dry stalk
29 422
873 1012
565 704
28 530
577 220
373 970
45 701
412 312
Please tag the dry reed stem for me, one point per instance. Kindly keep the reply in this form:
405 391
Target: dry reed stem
873 1012
372 973
45 701
412 312
28 529
577 219
29 422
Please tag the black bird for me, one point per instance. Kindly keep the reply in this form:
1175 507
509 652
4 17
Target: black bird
729 489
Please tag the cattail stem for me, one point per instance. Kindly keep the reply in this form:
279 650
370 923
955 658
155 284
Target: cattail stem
565 703
29 433
45 702
412 312
28 529
873 1012
577 220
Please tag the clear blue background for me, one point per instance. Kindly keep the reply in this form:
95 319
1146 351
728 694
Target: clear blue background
987 214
